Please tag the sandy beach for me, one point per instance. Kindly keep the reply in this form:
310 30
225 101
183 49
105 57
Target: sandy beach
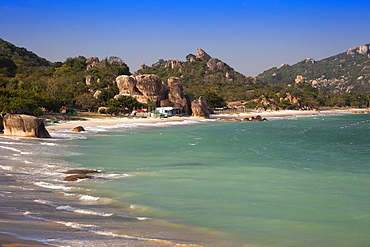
91 122
9 221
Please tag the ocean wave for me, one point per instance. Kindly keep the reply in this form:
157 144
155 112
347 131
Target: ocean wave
12 149
89 198
83 211
113 175
53 186
76 225
7 168
73 209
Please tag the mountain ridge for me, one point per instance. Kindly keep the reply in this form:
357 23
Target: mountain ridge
342 73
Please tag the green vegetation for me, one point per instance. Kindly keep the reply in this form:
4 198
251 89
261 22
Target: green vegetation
35 84
30 82
340 73
198 79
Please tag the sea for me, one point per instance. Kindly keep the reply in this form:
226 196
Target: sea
289 181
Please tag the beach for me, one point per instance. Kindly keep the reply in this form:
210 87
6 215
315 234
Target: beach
70 124
14 190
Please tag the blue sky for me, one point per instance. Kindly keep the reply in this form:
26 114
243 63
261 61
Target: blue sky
250 36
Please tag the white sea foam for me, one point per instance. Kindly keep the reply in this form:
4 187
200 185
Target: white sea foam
53 186
12 149
114 175
28 214
89 198
105 128
45 202
48 143
8 168
75 225
83 211
72 209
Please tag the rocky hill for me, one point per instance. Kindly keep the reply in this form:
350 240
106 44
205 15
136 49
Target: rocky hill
343 73
202 73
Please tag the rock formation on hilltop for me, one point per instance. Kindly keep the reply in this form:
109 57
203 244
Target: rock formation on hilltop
363 50
202 55
25 126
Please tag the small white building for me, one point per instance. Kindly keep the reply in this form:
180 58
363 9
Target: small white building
169 110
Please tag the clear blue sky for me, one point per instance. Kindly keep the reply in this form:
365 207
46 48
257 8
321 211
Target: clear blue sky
251 36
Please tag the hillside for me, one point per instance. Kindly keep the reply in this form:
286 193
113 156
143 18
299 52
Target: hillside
343 73
201 73
21 56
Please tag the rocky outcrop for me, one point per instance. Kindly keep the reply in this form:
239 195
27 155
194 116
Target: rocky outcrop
300 79
82 171
363 50
77 177
149 87
176 94
92 62
89 79
309 60
212 64
352 50
1 124
199 108
144 88
25 126
172 64
143 67
202 55
78 129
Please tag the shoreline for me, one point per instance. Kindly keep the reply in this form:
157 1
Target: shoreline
109 121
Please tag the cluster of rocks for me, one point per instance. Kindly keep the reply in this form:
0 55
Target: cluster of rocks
258 118
340 85
149 88
212 63
363 50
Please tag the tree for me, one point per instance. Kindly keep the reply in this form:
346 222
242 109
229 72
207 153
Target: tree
7 67
86 101
124 104
213 100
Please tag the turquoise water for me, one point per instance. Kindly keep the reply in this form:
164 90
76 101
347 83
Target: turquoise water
289 182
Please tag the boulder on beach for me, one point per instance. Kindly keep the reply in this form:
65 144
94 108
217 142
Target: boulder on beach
199 108
24 126
78 129
77 177
81 171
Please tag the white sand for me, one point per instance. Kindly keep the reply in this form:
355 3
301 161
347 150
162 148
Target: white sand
90 122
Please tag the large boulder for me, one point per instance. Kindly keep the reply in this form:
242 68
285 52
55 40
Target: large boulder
176 94
202 55
199 108
1 124
363 49
127 85
212 64
144 88
25 126
149 85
